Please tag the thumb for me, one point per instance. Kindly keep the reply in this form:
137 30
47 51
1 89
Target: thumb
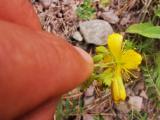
36 66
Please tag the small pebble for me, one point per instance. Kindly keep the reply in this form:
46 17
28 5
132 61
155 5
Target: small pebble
77 36
136 102
47 3
110 16
122 107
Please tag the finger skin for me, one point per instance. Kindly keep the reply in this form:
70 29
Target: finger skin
20 12
34 67
43 112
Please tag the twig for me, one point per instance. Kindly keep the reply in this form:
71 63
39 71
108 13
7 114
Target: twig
72 96
103 98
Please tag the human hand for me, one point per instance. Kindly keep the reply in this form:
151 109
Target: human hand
36 68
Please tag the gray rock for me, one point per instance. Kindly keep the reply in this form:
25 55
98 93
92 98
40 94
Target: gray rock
90 91
110 16
96 31
47 3
77 36
136 102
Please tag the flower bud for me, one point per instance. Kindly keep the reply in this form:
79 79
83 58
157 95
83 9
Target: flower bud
118 89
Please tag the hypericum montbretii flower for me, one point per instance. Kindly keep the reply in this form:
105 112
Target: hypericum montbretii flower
122 61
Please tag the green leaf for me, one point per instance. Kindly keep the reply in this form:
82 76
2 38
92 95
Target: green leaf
106 78
85 11
59 111
158 70
145 29
129 45
157 12
67 105
152 79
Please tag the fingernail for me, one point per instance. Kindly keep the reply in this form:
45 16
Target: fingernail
85 56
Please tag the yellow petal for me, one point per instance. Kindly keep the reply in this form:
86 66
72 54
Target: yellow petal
115 44
118 89
115 91
121 89
131 59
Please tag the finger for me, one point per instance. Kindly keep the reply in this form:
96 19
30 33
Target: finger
36 66
43 112
19 12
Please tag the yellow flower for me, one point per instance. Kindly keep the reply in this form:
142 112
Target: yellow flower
118 89
123 61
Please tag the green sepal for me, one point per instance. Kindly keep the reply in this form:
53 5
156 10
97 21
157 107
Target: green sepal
101 49
98 58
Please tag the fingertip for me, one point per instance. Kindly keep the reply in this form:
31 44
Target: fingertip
87 58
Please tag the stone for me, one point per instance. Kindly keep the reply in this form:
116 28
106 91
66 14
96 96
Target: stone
110 16
90 91
47 3
122 107
77 36
135 102
96 31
